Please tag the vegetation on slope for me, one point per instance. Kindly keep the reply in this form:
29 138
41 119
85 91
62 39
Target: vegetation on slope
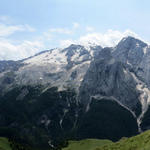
139 142
4 144
29 116
10 144
87 144
106 119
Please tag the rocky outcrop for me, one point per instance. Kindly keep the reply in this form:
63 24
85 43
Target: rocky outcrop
109 77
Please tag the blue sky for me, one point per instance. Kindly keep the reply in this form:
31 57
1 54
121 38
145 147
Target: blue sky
30 26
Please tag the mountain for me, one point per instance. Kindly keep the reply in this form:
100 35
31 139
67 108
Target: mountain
75 93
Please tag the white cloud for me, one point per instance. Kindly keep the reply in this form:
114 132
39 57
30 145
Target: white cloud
60 30
110 38
9 51
5 19
28 28
6 30
63 30
47 36
76 25
89 29
66 43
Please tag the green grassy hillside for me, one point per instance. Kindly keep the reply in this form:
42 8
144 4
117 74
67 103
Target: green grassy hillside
4 144
139 142
87 144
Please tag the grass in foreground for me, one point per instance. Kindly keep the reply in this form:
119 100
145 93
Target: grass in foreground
88 144
139 142
4 144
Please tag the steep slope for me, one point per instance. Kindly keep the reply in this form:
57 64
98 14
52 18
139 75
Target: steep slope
116 74
135 54
38 118
87 144
107 77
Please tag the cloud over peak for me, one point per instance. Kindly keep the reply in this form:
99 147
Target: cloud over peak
109 38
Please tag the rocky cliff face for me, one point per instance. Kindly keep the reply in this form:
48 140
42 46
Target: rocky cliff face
121 73
107 77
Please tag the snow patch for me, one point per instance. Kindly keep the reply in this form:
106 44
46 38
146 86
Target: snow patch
129 63
64 113
144 98
125 71
75 57
145 50
55 56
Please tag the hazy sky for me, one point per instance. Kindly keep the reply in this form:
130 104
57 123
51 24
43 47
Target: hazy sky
30 26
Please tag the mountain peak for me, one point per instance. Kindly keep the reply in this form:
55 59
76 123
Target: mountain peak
131 42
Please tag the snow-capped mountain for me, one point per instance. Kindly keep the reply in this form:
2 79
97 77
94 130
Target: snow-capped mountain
94 84
56 67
